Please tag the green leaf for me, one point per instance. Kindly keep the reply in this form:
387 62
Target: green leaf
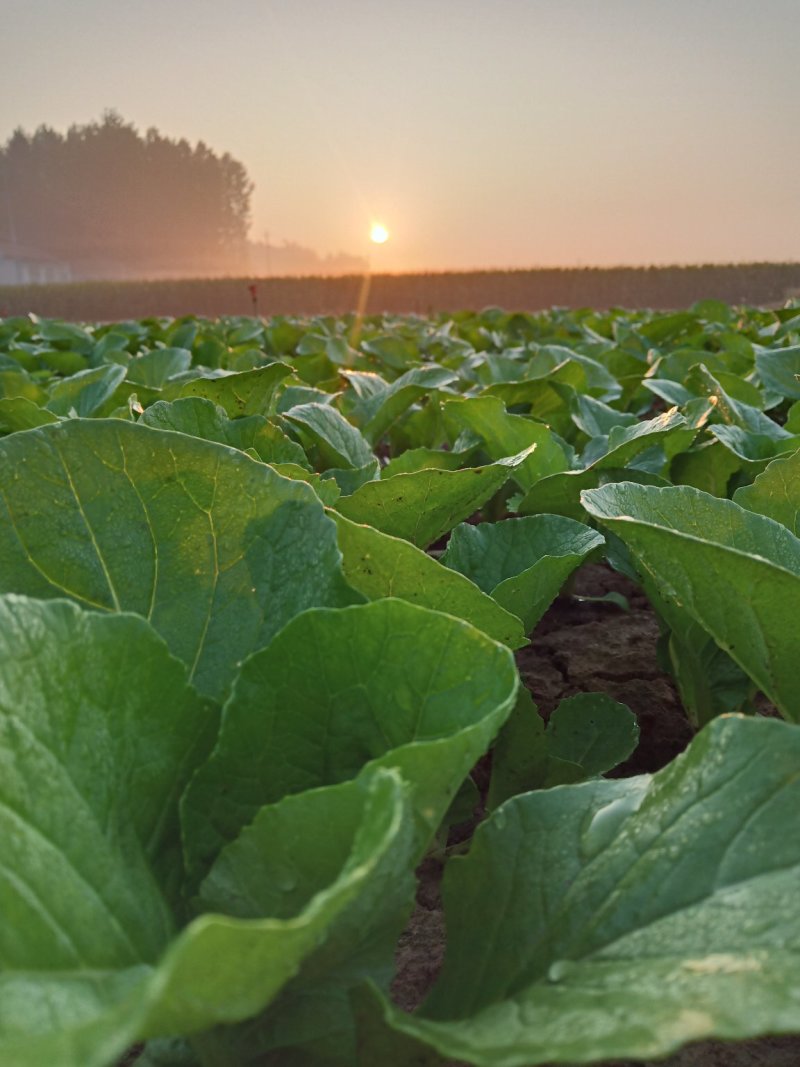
668 390
364 386
592 730
16 383
778 369
85 391
612 597
710 683
521 758
111 348
381 683
216 550
542 393
376 413
560 493
378 565
548 358
293 850
521 563
89 795
325 488
710 467
197 417
736 573
393 351
19 413
792 423
62 362
248 393
418 459
293 396
670 431
757 448
349 479
99 734
713 311
155 368
223 969
507 435
776 492
597 419
66 333
337 442
626 918
422 506
733 413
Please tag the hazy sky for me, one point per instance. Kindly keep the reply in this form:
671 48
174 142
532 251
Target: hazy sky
482 133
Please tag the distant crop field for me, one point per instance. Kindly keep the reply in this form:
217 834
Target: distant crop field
661 288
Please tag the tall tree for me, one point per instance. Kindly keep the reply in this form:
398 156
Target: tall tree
105 197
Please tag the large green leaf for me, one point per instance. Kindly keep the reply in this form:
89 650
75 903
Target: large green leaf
549 357
224 968
103 735
337 442
597 419
82 693
198 417
20 413
99 733
507 435
16 383
757 448
745 430
384 405
85 391
384 682
778 369
378 565
543 393
560 493
156 367
625 918
710 467
216 550
291 851
735 572
247 393
776 492
709 682
521 563
425 504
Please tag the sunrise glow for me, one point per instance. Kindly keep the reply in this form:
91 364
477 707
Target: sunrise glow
379 235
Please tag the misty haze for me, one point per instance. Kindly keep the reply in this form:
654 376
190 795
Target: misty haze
105 202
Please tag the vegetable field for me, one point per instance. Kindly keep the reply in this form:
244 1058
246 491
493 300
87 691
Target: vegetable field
295 612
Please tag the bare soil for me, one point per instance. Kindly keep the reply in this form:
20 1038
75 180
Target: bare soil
579 647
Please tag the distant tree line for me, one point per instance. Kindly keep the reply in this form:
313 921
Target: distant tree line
115 203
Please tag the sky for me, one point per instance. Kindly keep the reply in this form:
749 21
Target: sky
481 133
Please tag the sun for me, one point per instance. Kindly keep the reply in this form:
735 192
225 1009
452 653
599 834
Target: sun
379 235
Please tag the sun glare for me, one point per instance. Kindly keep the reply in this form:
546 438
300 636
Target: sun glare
378 234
